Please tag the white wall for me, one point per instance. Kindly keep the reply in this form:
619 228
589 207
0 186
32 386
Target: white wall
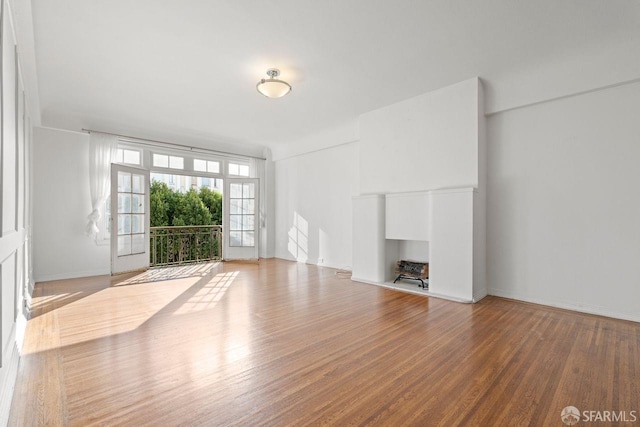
423 143
9 131
313 206
564 205
369 246
61 204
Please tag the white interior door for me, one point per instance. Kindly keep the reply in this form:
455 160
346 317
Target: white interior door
129 219
241 221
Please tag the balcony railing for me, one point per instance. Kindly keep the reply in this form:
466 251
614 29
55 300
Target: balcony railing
183 245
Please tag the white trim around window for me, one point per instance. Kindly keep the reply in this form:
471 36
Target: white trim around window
176 162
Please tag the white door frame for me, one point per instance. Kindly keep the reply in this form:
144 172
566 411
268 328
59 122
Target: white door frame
241 219
134 213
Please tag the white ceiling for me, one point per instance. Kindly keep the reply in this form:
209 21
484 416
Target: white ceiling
166 68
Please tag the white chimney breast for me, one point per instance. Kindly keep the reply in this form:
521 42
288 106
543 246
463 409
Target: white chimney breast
407 216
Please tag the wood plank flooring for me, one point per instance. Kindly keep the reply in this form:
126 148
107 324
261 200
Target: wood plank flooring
281 343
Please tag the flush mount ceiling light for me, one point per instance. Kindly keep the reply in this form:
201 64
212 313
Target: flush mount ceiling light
272 87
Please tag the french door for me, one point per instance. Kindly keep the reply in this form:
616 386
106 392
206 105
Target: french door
129 219
241 221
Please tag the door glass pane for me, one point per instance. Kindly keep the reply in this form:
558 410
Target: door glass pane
124 203
248 238
248 206
235 222
124 224
137 203
124 245
137 243
235 206
124 182
137 183
235 238
247 222
199 165
235 191
137 223
248 191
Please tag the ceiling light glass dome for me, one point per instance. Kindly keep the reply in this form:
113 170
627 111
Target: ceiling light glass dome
272 87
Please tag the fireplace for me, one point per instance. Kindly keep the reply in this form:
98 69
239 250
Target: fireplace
440 227
412 270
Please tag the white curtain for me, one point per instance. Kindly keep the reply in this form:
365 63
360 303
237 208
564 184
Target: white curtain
102 152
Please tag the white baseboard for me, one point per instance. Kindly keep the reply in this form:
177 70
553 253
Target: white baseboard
313 262
590 309
71 275
8 376
286 258
32 286
21 328
369 282
479 296
395 287
329 265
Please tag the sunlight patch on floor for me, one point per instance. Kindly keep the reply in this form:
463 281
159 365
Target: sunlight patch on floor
237 350
169 273
130 307
207 296
98 318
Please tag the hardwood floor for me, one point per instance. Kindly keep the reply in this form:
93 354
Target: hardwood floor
281 343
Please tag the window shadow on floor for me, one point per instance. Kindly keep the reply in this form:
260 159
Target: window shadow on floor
158 274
